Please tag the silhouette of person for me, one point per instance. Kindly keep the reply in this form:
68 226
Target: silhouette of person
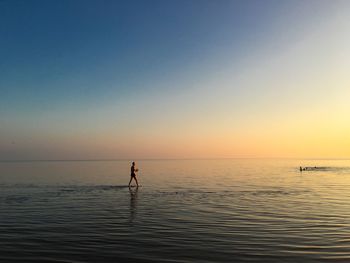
133 174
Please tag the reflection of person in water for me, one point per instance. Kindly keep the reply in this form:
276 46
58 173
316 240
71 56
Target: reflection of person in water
133 174
133 203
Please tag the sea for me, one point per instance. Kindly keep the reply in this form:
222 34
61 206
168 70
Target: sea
217 210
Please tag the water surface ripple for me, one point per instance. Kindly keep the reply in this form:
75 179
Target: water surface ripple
185 211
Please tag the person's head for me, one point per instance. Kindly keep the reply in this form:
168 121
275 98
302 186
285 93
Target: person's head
133 163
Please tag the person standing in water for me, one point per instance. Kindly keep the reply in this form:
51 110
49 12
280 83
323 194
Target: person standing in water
133 174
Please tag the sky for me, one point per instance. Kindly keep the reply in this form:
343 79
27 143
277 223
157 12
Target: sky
174 79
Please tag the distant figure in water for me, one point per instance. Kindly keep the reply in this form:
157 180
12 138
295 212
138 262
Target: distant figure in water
133 174
309 168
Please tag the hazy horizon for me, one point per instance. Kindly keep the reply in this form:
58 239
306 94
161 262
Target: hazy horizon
170 159
171 80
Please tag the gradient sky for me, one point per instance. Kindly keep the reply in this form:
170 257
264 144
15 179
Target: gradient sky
174 79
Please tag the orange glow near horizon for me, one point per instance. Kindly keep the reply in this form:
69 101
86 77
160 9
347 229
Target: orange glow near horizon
287 97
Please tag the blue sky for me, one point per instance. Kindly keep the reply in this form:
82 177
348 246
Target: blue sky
52 50
76 69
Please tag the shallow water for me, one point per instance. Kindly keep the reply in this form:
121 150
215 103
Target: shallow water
186 211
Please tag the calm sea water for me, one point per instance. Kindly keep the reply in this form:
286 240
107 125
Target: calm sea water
186 211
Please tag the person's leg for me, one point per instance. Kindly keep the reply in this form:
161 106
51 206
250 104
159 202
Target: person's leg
130 181
137 184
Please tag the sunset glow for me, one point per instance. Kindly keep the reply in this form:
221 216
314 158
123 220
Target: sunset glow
188 79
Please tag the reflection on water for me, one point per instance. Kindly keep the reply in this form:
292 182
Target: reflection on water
133 202
186 211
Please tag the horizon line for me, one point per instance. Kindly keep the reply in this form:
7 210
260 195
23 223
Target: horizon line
165 159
